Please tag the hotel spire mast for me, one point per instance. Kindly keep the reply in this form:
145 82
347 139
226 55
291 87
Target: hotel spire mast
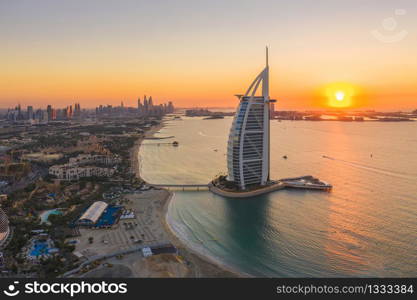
267 135
265 81
265 94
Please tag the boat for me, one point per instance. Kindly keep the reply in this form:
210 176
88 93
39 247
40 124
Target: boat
214 117
175 143
306 182
159 138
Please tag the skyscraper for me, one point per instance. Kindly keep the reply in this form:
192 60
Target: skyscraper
145 104
39 115
170 107
19 112
139 105
49 112
248 146
77 110
30 114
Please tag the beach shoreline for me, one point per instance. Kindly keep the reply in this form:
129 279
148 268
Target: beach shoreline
200 265
134 151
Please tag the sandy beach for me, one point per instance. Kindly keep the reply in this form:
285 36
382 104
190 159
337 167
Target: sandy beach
134 152
199 265
150 227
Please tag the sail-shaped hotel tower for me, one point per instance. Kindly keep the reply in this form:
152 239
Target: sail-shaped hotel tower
248 146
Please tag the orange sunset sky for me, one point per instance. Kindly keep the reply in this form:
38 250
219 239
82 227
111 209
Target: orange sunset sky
201 53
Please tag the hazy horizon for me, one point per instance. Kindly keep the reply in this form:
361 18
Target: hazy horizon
277 108
202 53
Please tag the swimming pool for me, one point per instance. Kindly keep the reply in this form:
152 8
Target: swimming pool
40 248
109 216
45 215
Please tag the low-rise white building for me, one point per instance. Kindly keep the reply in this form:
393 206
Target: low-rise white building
83 159
79 167
146 251
71 172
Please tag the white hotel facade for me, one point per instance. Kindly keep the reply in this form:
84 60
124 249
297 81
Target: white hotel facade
78 167
248 146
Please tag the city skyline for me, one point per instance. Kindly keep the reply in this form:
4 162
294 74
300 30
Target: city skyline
68 104
147 108
195 53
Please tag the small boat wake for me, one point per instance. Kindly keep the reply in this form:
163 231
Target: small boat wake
212 136
373 169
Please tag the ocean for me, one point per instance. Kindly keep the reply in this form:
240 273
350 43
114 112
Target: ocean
365 227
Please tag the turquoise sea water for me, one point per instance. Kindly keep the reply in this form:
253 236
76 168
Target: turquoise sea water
367 225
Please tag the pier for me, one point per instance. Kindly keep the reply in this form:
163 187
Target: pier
181 186
307 182
158 144
174 143
159 138
302 182
249 193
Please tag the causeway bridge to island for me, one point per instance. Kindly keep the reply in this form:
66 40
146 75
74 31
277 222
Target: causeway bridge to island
181 186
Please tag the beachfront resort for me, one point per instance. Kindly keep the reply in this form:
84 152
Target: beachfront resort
73 194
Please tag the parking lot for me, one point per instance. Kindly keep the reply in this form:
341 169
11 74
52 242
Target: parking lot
144 229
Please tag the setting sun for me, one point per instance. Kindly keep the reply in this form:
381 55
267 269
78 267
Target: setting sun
340 95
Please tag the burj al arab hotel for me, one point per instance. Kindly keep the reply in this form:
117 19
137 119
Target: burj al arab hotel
248 146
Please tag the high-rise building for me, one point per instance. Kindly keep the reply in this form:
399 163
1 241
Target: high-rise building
19 112
30 114
39 115
139 105
63 114
170 107
49 112
248 146
77 110
145 104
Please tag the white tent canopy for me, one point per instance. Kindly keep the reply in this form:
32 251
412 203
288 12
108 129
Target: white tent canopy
94 212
